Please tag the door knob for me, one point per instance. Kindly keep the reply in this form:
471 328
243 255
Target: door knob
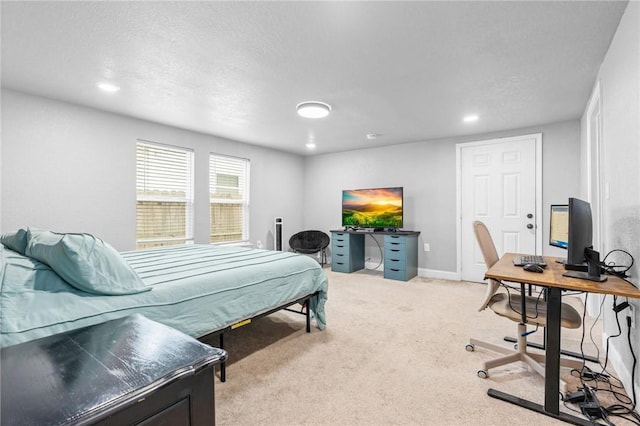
529 226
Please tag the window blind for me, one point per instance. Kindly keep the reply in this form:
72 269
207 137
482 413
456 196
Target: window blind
229 198
164 188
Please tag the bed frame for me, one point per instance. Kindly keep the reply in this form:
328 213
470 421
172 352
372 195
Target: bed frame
304 301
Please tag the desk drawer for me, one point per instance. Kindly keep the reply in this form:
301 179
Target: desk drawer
340 264
395 252
398 263
340 257
340 249
340 241
395 241
340 235
337 244
347 252
400 257
395 274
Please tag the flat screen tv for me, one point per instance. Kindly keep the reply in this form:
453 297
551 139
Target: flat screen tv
377 208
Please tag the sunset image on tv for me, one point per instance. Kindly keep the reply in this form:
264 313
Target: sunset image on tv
372 208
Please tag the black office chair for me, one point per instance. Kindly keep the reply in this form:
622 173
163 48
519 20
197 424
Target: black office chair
310 242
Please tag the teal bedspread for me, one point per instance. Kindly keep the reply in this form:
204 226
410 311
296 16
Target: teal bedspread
196 289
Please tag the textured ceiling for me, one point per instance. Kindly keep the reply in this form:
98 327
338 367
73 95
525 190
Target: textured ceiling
408 71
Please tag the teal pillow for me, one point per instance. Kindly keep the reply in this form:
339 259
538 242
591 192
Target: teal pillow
16 241
85 262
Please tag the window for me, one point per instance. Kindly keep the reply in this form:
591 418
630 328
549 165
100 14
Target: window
229 197
164 186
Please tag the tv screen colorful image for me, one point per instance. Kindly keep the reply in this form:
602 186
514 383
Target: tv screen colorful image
372 208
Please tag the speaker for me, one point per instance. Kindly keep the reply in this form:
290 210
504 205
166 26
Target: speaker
277 233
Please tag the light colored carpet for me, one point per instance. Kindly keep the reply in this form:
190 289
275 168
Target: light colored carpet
393 353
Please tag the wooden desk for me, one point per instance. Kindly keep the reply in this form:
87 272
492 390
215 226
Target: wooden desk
553 280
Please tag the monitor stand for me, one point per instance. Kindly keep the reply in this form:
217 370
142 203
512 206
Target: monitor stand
585 276
582 267
593 268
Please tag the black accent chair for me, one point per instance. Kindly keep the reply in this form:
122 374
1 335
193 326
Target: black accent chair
310 242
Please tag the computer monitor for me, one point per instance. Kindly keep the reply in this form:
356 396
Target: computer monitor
580 253
559 226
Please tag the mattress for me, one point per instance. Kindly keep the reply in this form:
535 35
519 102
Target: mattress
196 289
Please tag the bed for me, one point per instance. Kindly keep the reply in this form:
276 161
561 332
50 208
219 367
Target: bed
201 290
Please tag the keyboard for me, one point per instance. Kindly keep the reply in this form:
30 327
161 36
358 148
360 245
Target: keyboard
523 260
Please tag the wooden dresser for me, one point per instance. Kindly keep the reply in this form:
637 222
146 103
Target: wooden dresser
127 371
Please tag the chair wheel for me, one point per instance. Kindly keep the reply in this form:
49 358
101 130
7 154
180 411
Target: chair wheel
483 374
515 346
470 347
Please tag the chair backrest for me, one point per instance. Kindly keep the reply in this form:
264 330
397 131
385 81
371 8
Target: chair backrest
490 255
309 240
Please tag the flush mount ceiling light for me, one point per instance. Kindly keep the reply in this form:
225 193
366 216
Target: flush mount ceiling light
313 109
108 87
470 118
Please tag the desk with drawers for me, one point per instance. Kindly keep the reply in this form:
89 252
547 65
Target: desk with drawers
400 252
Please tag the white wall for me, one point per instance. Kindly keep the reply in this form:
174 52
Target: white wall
427 171
619 79
70 168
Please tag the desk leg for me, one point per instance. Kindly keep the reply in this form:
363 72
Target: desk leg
552 351
552 368
565 417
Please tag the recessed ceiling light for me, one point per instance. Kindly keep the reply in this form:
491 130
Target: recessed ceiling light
108 87
310 145
372 136
470 118
313 109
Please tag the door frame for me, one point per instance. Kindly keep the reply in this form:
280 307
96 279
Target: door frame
538 195
595 185
594 164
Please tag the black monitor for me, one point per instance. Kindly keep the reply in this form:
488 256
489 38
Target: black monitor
580 253
559 226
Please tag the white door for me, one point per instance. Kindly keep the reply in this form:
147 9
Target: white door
499 185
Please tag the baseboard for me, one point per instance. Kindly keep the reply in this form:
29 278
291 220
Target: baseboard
438 274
